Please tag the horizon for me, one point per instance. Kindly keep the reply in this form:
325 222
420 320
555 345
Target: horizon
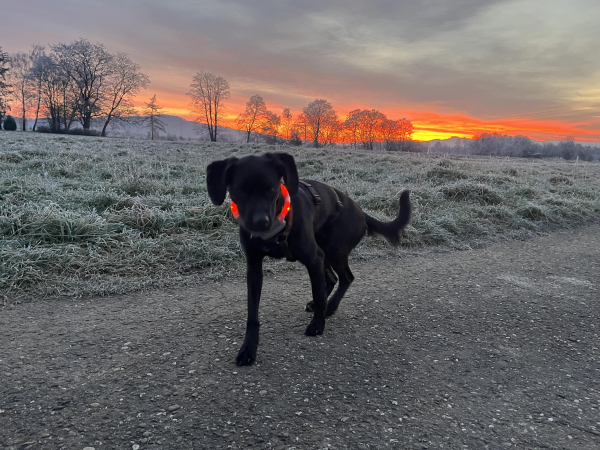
442 140
512 67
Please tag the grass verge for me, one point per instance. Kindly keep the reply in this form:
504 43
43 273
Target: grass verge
83 216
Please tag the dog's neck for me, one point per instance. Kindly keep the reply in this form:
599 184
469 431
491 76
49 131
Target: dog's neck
275 229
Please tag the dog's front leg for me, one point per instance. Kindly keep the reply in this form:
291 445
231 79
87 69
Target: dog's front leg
316 271
247 353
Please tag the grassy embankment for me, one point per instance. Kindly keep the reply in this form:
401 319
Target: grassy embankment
88 216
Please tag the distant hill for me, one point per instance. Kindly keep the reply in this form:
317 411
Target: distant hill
454 141
176 127
450 142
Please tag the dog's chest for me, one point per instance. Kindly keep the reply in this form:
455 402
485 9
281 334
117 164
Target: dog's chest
277 249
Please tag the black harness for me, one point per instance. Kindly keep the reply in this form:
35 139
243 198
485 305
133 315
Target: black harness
317 197
280 239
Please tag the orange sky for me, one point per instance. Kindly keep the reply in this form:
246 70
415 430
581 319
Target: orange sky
428 124
516 67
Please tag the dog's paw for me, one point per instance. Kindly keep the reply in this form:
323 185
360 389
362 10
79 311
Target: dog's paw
246 355
310 307
315 328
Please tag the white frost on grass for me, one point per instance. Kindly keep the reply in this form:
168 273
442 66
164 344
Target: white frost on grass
83 216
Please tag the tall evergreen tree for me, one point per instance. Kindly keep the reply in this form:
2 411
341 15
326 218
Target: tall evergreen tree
154 123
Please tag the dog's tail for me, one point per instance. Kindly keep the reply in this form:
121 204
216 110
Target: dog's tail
391 230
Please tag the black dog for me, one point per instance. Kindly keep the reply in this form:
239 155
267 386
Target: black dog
320 230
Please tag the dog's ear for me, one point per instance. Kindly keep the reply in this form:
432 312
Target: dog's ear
289 172
217 179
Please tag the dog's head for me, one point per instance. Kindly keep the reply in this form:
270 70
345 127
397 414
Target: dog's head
253 184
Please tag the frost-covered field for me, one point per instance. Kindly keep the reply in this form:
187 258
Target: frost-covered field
89 216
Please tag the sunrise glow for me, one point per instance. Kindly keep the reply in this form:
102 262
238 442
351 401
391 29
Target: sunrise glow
428 125
454 70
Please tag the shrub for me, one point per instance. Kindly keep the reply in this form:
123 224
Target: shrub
43 129
82 132
10 124
73 131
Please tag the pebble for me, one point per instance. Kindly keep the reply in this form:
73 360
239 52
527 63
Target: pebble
263 392
45 435
174 407
135 446
89 448
147 433
95 404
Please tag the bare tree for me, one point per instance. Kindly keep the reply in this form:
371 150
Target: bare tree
23 81
124 82
89 66
332 131
254 116
365 126
318 114
271 125
4 86
351 127
491 144
568 148
286 122
300 128
36 74
297 132
58 94
406 132
20 81
153 118
208 92
397 134
390 133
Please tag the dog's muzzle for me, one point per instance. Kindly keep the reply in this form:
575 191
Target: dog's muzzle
277 225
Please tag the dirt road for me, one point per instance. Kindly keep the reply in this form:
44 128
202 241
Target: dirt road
490 348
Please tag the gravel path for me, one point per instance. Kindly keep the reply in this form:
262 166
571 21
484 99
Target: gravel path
490 348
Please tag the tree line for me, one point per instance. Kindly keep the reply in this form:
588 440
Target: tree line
73 82
497 144
81 82
318 122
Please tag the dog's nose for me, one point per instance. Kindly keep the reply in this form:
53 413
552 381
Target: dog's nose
262 221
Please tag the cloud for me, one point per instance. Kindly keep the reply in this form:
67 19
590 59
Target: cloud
481 58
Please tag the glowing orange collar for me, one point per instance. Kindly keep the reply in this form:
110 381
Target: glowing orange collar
281 216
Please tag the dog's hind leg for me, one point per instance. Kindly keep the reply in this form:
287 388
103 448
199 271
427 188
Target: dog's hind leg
346 278
330 281
316 272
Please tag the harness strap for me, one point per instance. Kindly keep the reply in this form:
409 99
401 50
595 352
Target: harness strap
281 238
317 197
313 192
